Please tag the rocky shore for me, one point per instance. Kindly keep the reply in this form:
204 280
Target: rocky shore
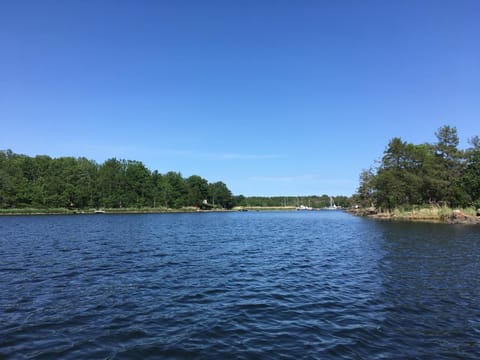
453 217
458 217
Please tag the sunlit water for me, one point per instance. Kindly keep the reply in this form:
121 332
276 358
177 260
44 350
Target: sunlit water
300 285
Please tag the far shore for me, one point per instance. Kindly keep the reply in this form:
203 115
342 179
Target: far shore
143 210
65 211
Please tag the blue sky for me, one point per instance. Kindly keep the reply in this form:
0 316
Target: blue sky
271 97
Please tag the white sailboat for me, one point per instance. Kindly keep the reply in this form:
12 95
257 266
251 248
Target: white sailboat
332 205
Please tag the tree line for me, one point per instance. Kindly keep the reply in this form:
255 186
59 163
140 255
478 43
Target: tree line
420 174
68 182
289 201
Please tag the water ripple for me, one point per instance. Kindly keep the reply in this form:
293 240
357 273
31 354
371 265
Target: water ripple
248 285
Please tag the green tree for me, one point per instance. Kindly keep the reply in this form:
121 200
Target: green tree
174 189
10 176
447 142
157 188
390 189
449 158
86 194
220 195
138 189
471 177
366 188
111 183
197 189
393 182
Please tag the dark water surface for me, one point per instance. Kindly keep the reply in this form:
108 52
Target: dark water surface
255 285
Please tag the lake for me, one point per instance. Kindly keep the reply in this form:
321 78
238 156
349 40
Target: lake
246 285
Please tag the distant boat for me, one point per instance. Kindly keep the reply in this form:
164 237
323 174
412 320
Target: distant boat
99 211
332 205
304 208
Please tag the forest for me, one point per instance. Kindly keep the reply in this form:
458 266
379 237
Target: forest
438 174
79 183
42 182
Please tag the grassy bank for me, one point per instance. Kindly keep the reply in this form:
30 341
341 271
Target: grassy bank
429 213
146 210
425 213
33 211
65 211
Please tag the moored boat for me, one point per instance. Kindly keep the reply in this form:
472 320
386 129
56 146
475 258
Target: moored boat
304 208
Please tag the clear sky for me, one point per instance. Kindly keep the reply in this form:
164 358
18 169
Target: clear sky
272 97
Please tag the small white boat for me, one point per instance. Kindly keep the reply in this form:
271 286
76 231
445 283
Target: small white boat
304 208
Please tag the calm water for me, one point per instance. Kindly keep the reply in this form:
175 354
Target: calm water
255 285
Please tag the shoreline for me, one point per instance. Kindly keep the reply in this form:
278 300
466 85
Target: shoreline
64 211
110 211
433 215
